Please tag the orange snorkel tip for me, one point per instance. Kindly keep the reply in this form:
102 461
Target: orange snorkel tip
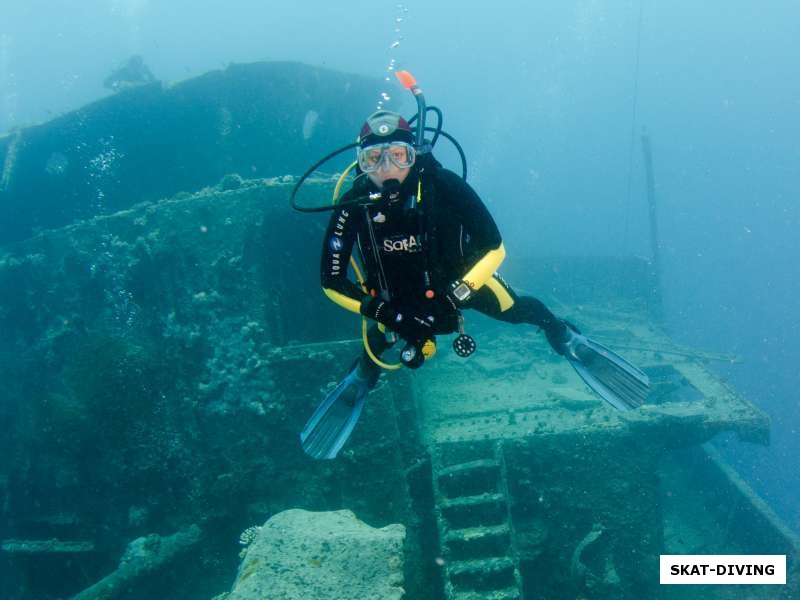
406 79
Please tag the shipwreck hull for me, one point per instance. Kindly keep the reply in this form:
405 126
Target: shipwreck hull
160 356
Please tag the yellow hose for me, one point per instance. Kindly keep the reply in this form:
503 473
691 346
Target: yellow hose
371 354
340 183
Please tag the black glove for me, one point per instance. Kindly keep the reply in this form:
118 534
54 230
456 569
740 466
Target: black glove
407 323
415 354
412 355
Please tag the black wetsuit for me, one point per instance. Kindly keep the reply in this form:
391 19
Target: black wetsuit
421 251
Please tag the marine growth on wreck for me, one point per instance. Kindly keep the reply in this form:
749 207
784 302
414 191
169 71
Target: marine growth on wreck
161 353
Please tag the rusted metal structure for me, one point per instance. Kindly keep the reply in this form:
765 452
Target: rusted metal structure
513 479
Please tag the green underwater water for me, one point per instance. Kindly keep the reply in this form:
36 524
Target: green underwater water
161 356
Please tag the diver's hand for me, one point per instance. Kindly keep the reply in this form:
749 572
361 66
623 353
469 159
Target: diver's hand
406 322
414 355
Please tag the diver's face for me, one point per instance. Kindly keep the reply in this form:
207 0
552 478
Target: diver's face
392 160
387 170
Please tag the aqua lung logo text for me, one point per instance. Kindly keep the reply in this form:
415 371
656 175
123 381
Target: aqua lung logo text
337 244
339 228
403 244
336 264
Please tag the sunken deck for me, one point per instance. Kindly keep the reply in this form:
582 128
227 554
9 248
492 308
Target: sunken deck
539 486
513 477
515 387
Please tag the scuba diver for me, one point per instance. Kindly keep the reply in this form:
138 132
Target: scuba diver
429 250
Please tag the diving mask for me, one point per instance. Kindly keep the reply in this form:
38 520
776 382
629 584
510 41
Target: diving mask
400 154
